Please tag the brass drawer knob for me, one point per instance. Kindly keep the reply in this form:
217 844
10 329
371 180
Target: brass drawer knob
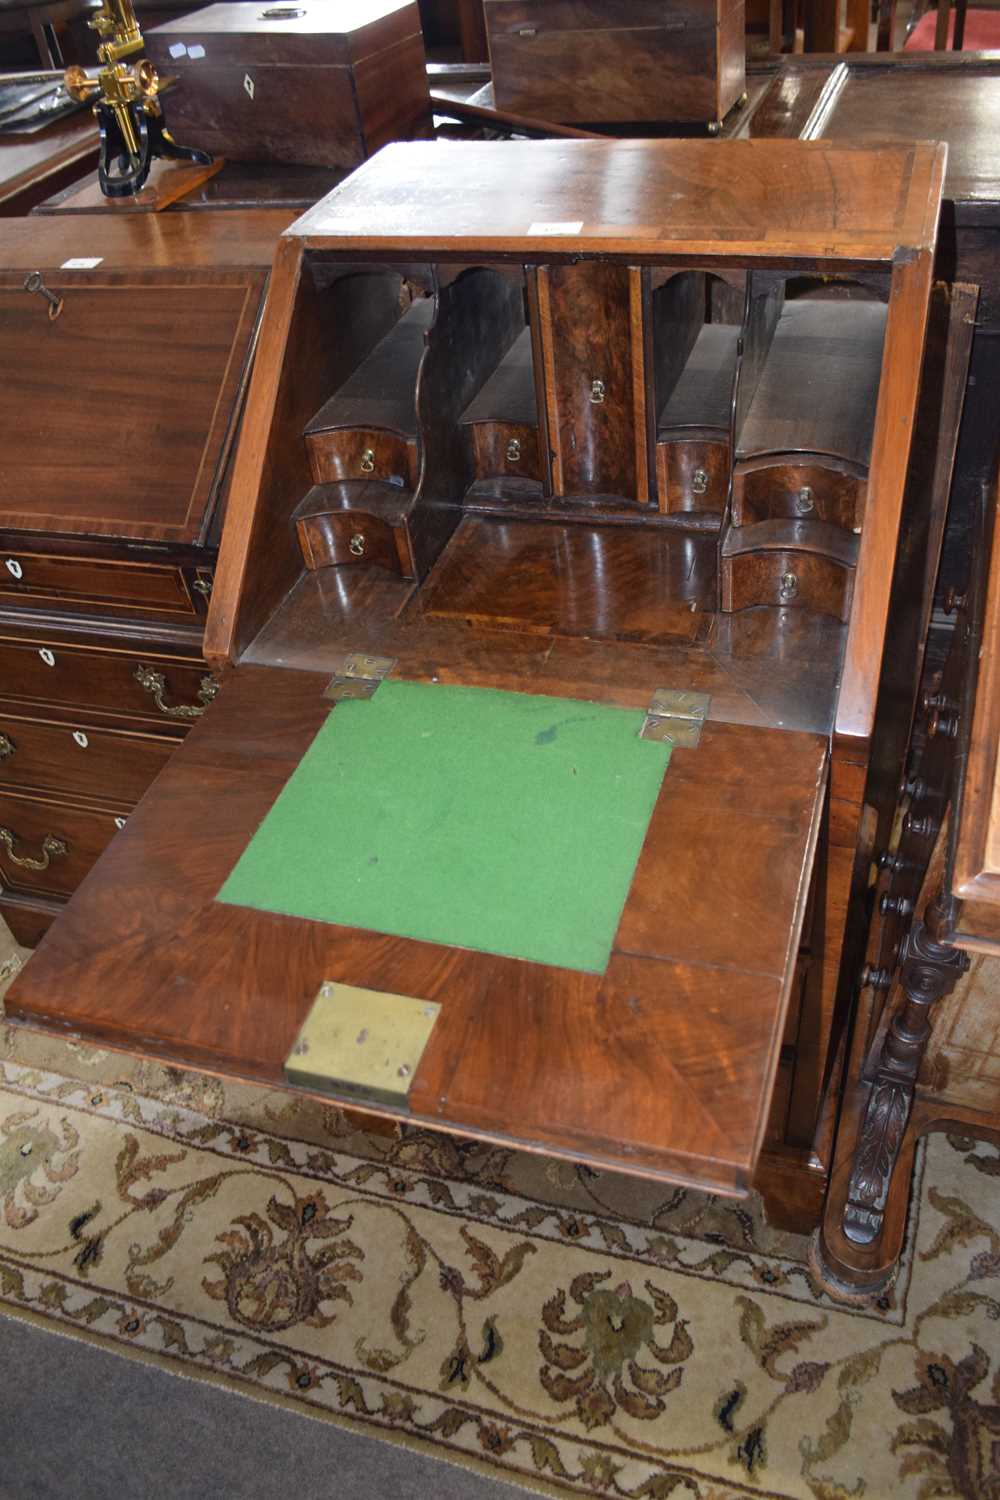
805 501
699 482
368 461
357 545
597 392
788 588
514 450
7 747
52 848
155 684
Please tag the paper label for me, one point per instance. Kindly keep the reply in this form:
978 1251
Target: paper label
196 51
81 263
555 226
178 49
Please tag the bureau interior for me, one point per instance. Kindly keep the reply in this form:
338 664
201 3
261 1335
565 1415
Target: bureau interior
641 453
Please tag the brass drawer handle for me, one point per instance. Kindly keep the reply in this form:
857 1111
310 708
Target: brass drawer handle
514 451
356 545
598 391
788 588
368 461
7 747
699 482
155 684
52 848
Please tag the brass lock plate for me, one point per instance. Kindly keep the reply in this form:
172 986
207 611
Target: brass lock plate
367 1043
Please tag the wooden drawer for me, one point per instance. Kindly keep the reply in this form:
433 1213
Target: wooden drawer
353 536
692 475
357 453
79 759
157 587
791 564
47 846
504 450
765 490
141 686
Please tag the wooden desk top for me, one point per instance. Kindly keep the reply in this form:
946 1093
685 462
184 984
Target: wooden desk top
144 241
867 98
757 199
662 1065
28 160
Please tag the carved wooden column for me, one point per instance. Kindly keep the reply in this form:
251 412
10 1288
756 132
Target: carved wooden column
856 1213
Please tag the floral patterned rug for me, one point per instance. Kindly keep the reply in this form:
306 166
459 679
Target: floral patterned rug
574 1332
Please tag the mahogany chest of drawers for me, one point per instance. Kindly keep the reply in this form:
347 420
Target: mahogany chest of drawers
117 422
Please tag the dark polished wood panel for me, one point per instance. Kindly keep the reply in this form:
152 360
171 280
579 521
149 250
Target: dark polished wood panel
645 587
160 476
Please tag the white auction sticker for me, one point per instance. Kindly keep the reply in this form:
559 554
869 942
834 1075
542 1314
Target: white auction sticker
196 51
554 226
82 263
178 50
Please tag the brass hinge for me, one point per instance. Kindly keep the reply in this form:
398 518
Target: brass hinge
357 676
675 714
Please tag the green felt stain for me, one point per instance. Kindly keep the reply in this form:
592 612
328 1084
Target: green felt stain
496 821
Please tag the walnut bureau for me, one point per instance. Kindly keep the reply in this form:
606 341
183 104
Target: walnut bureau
125 373
483 440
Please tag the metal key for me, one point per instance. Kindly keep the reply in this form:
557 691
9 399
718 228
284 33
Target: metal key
33 283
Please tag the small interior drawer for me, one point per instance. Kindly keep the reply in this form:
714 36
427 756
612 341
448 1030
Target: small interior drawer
765 490
49 846
139 685
692 475
356 453
502 449
157 587
79 759
791 564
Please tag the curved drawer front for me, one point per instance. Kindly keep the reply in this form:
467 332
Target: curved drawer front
48 847
363 453
504 449
349 536
158 588
692 475
787 578
79 759
139 685
765 490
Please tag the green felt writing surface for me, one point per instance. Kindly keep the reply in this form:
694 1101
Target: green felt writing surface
480 819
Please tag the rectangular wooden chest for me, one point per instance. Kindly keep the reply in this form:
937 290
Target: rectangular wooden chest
305 83
594 61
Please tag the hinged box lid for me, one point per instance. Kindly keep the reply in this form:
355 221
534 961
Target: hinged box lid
307 33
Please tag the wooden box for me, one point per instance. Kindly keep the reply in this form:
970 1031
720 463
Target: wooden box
594 61
295 83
